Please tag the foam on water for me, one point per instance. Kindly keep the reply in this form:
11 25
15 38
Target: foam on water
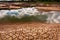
53 16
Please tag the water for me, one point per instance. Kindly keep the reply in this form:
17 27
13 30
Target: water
53 16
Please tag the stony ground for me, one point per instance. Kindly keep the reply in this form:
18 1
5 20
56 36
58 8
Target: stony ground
29 31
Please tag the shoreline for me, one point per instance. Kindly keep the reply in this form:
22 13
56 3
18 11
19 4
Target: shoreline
49 8
38 7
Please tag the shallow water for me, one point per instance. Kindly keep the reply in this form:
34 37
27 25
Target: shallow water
53 16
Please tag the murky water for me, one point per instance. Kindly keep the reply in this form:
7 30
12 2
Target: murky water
53 16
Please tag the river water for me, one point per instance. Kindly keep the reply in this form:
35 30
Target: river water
53 16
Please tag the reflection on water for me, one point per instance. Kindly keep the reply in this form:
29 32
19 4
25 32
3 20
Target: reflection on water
53 16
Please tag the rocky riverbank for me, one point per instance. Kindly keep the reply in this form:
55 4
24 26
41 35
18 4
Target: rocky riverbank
48 8
41 6
29 31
